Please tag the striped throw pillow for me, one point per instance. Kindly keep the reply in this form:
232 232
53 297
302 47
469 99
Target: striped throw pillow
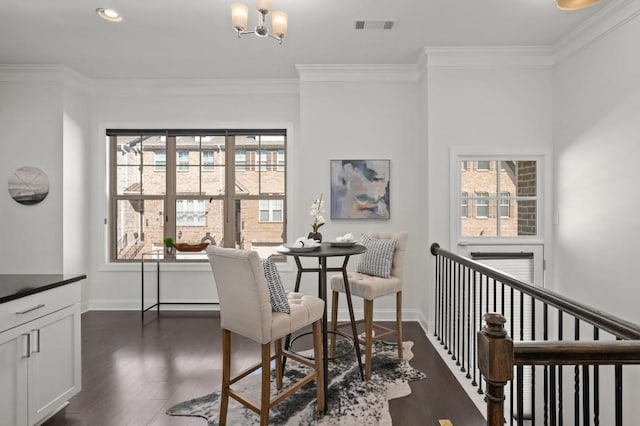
378 257
278 296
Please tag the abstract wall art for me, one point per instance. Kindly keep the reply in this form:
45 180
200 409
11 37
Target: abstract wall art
360 189
28 185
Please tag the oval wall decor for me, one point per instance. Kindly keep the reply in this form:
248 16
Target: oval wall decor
28 185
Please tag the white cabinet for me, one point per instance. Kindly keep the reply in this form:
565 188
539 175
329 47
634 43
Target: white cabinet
40 357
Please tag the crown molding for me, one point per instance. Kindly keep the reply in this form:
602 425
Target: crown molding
611 17
486 57
135 87
358 73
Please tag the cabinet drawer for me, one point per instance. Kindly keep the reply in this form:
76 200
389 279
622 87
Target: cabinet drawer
28 308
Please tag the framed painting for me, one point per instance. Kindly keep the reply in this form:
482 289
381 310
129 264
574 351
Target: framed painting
360 189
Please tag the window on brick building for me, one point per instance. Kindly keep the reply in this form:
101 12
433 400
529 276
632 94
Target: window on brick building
158 189
502 195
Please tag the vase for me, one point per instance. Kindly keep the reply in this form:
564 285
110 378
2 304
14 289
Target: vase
315 236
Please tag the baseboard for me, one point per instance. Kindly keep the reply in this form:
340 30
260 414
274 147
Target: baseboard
134 305
472 392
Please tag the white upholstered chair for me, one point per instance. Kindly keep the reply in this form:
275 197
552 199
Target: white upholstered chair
371 287
245 309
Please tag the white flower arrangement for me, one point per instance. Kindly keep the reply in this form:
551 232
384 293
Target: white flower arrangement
317 208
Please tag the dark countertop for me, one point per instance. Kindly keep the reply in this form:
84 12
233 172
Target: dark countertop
20 285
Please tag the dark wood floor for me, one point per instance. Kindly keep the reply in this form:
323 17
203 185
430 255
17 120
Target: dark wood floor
132 371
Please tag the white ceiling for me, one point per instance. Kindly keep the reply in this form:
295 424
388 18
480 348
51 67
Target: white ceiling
194 38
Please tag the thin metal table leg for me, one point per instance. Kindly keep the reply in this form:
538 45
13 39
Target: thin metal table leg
142 287
323 296
347 290
287 340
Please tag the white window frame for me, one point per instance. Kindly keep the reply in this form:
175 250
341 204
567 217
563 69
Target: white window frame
263 159
193 213
485 197
208 160
464 205
183 166
271 207
504 196
241 159
160 160
543 184
280 158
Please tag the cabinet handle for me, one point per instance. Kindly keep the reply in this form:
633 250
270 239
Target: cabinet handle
37 331
28 336
30 309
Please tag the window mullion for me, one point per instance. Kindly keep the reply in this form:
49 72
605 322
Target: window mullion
170 199
230 192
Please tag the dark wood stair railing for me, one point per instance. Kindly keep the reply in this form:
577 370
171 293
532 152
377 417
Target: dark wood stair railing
550 331
497 354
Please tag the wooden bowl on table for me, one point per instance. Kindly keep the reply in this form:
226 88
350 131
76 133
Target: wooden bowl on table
190 247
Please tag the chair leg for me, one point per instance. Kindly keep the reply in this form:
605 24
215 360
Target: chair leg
265 394
399 322
368 337
334 322
279 370
319 364
226 375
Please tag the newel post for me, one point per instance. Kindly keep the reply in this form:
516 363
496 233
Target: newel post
495 359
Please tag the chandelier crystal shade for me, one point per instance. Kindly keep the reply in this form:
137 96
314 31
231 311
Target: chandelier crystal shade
240 17
574 4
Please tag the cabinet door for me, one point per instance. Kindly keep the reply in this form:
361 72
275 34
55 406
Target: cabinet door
14 351
54 364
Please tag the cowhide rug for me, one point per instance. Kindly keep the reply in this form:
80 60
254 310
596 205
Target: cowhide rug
350 400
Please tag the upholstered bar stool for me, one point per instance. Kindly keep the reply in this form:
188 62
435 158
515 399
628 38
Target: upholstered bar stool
246 309
380 274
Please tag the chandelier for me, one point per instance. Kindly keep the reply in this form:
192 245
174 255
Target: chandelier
574 4
240 14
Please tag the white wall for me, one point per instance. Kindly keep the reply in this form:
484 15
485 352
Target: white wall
485 102
596 137
75 181
157 105
31 123
356 113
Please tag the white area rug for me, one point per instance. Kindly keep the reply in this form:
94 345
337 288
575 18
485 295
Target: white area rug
350 400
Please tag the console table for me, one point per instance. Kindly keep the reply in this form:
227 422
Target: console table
156 255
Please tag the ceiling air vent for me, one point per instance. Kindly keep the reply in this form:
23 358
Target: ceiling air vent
374 25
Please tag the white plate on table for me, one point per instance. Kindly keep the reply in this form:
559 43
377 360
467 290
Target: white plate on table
343 243
295 248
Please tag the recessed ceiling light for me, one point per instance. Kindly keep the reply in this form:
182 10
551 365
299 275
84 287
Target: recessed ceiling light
109 14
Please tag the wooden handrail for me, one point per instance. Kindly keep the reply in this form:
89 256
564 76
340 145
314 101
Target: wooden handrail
576 352
616 326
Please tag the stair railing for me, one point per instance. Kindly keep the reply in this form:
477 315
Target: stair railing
556 346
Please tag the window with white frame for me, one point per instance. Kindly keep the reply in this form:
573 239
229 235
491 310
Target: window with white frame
241 159
160 158
280 160
502 195
482 204
183 161
270 210
190 213
505 204
207 160
483 165
464 204
262 160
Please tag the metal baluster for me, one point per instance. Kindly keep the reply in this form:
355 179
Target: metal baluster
475 329
618 392
576 378
596 385
533 369
442 298
560 380
519 392
469 314
437 302
511 305
545 378
456 336
480 391
495 296
464 298
585 396
447 344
